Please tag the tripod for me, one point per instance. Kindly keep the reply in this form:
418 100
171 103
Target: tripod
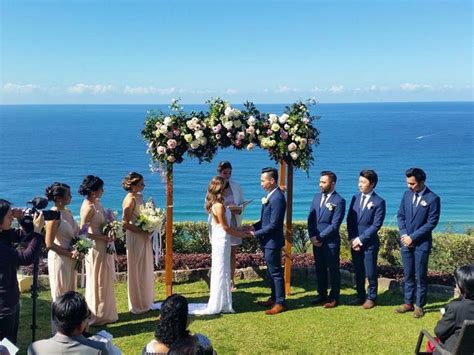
34 296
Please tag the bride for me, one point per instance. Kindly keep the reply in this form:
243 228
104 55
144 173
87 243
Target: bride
220 299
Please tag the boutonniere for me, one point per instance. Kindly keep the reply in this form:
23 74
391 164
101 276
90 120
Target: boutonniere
423 203
370 205
330 206
264 200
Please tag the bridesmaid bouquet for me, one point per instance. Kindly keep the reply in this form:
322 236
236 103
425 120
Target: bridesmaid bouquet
150 218
80 245
114 228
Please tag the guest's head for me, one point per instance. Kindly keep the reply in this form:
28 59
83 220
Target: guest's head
6 216
224 169
367 181
327 181
269 179
92 187
133 182
415 179
173 322
464 276
215 192
59 193
189 346
70 313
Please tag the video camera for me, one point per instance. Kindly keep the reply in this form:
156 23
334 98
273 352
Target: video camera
37 203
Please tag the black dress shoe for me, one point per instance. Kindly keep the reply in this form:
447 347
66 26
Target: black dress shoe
357 302
319 300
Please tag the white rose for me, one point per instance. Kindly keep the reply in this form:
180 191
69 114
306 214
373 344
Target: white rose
171 159
283 118
273 118
194 144
199 134
251 121
188 137
161 150
157 133
167 121
250 146
203 141
228 124
250 130
228 111
163 129
272 143
240 135
292 147
294 155
286 126
275 127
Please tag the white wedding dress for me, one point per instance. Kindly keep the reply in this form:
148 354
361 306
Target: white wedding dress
220 298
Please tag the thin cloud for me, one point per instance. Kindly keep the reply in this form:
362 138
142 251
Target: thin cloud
414 87
11 88
336 89
97 89
282 89
231 91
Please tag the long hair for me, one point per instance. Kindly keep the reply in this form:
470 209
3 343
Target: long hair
215 191
173 321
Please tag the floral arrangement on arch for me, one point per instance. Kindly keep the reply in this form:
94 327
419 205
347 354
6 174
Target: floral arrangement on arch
289 137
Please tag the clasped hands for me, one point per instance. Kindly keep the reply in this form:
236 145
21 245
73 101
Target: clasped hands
248 232
317 243
406 241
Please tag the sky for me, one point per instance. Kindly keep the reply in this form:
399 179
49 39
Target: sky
126 52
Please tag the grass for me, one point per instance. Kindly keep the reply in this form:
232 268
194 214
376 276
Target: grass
304 329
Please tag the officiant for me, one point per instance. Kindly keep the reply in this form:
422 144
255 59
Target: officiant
233 197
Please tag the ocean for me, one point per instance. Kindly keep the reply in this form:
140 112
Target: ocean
41 144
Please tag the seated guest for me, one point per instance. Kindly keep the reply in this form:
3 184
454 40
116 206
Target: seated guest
70 316
458 310
171 327
11 259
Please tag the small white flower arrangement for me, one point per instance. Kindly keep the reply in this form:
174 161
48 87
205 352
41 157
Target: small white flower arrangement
423 203
370 205
264 200
330 206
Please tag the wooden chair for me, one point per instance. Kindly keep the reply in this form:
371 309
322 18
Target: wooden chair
464 345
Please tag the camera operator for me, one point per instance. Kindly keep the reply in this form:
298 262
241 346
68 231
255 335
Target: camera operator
10 260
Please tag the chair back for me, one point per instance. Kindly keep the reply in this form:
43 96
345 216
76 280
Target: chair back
465 343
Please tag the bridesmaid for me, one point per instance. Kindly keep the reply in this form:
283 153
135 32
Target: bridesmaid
141 289
62 274
100 293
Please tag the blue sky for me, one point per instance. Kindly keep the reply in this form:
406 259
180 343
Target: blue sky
263 51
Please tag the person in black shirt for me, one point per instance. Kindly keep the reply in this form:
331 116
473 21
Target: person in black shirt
10 260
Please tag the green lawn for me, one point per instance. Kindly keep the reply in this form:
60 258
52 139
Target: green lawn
304 329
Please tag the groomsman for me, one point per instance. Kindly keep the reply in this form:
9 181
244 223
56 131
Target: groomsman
324 220
418 215
364 219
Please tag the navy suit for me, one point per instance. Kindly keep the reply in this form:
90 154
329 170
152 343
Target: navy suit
269 232
418 223
365 225
324 223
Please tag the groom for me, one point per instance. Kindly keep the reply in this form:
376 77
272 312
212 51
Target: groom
269 232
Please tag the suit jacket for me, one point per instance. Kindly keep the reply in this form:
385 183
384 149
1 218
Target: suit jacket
269 230
63 344
324 222
365 224
449 326
419 224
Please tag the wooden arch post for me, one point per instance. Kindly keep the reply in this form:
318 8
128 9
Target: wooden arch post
169 232
286 179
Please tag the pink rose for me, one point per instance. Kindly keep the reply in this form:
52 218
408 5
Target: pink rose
217 128
283 134
269 132
229 134
171 144
161 150
176 132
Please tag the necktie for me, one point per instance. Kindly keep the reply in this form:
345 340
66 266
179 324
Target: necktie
362 201
415 201
323 200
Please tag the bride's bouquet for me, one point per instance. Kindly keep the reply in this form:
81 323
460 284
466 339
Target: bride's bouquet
114 228
80 246
151 218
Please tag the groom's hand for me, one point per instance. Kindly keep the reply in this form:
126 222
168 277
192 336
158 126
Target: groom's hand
315 242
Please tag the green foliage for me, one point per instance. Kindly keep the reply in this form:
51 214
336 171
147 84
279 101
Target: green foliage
449 250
